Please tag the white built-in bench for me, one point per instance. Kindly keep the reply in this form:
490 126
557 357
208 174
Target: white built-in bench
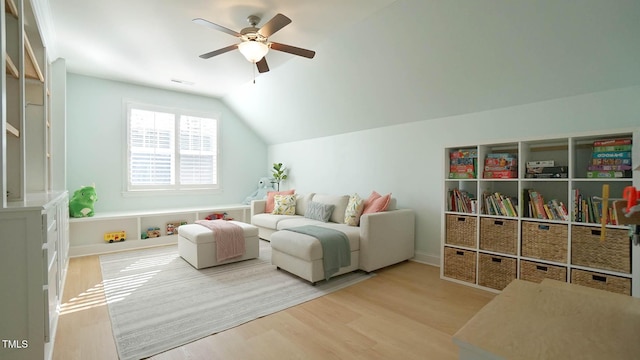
86 235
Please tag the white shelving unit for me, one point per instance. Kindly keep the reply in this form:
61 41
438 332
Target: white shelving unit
488 251
87 234
33 209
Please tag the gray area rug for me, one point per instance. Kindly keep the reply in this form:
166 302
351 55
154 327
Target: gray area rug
157 301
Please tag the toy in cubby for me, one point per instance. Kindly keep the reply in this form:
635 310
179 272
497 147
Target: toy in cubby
172 227
218 216
115 236
152 232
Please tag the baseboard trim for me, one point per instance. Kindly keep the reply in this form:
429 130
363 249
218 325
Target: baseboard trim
426 258
97 249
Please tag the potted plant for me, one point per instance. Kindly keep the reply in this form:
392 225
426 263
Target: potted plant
278 174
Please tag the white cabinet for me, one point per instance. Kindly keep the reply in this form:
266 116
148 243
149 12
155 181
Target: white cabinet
33 260
87 235
492 232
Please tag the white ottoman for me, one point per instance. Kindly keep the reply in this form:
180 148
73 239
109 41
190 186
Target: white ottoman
302 255
196 244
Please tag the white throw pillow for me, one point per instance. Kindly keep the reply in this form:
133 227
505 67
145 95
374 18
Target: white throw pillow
354 210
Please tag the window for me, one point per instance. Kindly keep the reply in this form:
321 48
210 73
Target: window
170 149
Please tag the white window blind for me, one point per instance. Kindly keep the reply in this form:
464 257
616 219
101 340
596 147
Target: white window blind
171 150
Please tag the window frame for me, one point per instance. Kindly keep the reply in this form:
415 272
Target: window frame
175 189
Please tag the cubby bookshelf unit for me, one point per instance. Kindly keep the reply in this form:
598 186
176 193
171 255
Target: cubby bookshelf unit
488 249
86 235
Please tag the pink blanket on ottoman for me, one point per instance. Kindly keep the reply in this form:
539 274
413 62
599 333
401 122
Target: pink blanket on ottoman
229 238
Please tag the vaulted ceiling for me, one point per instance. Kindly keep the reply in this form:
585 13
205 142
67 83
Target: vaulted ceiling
377 63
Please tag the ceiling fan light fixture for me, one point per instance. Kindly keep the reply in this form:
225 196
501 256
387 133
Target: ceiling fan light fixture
253 50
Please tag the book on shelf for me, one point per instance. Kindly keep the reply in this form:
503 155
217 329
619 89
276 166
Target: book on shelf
537 208
499 204
588 209
462 201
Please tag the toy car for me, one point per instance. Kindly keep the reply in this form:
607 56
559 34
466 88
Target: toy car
115 236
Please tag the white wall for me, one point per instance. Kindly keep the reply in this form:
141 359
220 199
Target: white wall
408 160
96 144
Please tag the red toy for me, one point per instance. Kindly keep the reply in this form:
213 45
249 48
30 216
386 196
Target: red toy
631 195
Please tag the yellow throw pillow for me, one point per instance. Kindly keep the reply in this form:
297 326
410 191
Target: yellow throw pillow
284 205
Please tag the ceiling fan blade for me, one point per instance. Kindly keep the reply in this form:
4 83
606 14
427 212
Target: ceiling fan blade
216 27
293 50
276 23
262 65
219 51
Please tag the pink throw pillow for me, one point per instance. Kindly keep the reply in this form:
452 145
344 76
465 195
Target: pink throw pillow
268 208
377 203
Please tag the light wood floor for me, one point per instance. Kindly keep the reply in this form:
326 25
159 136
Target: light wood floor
405 312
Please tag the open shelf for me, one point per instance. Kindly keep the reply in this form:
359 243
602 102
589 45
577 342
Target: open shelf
31 67
11 67
12 130
10 8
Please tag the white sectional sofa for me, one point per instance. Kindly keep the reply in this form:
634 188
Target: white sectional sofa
381 239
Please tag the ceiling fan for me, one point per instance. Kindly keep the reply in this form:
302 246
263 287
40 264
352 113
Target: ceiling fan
255 42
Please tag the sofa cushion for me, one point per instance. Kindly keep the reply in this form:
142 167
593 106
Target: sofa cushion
269 221
268 208
354 210
284 205
340 202
319 211
297 221
302 201
289 241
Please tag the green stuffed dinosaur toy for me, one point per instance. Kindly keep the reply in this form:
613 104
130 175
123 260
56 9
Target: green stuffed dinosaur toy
81 203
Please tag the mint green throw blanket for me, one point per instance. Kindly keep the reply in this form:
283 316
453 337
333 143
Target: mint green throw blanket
336 252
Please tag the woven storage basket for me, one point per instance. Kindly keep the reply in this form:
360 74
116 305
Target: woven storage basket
536 272
496 272
600 281
461 230
545 241
499 235
460 264
614 253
